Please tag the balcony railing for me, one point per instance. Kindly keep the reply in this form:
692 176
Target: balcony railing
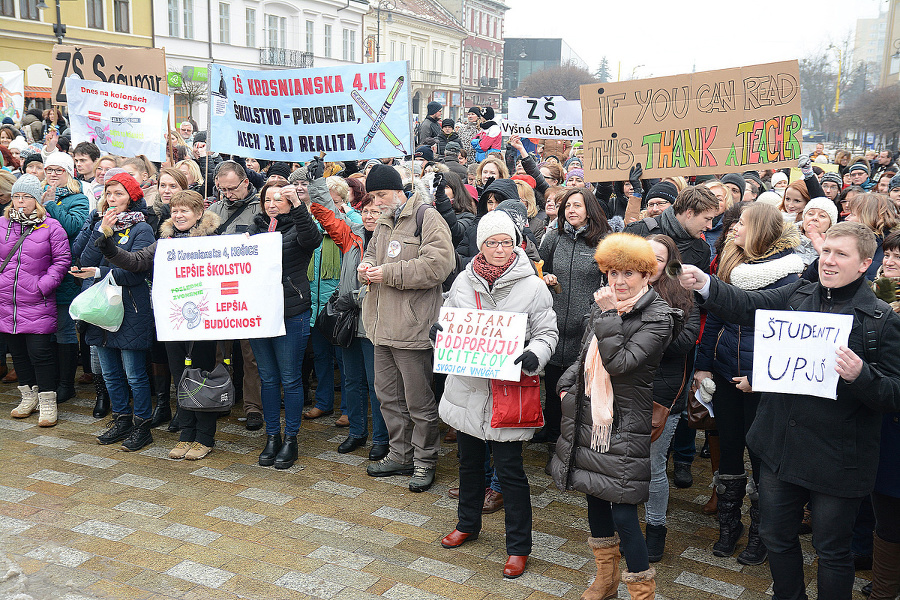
282 57
426 76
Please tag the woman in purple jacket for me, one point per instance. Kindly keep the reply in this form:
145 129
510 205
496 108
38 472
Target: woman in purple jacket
35 251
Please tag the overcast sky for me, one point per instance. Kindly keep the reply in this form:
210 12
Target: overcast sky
662 37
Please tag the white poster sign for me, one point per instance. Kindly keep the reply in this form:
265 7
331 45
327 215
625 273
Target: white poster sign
794 351
480 343
549 118
12 95
225 287
121 120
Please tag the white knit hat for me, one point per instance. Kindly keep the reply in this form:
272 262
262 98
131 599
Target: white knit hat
778 176
770 198
18 144
61 159
825 204
494 223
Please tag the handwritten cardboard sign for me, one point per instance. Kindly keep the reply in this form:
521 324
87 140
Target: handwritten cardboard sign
137 67
702 123
223 287
794 351
548 118
349 112
480 343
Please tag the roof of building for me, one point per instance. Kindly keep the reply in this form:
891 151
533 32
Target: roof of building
427 10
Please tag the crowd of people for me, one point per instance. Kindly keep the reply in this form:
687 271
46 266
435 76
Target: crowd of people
639 295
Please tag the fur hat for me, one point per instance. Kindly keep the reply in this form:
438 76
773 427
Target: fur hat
778 176
61 159
383 177
28 184
825 204
434 107
494 223
625 251
128 182
858 166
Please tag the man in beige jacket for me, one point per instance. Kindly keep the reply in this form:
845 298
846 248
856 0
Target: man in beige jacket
405 272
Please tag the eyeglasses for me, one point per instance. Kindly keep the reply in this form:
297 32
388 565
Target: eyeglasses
227 190
495 243
657 204
53 171
371 213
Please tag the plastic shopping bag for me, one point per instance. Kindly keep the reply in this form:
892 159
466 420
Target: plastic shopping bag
100 305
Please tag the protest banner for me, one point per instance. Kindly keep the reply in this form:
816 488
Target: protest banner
794 351
225 287
797 175
548 118
480 343
702 123
121 120
12 95
136 67
349 112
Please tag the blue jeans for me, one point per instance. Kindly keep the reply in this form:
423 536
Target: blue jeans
123 369
359 390
684 442
65 326
280 362
659 483
324 355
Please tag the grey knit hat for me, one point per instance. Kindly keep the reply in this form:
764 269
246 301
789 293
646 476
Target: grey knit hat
28 184
299 174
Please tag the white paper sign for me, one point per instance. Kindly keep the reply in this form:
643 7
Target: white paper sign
550 118
794 351
225 287
480 343
120 119
12 95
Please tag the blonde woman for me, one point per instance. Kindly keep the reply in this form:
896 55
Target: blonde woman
339 190
489 168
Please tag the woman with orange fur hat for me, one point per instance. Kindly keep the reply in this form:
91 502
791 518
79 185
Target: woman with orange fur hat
607 403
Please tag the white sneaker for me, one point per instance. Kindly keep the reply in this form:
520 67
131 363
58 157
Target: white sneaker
28 404
47 403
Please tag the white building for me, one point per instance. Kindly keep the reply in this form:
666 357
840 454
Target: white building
253 34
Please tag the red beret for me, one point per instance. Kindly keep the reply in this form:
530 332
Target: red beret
527 179
128 182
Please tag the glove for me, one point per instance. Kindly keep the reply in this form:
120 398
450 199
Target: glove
345 303
106 246
438 181
805 166
488 181
530 362
315 168
432 334
886 289
634 176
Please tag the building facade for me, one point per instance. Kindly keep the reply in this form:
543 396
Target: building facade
890 62
27 34
868 46
524 56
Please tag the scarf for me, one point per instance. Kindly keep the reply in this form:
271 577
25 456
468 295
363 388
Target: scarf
128 219
329 262
598 385
61 192
18 215
489 272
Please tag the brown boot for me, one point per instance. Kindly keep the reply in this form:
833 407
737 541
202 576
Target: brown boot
641 586
885 570
606 555
712 505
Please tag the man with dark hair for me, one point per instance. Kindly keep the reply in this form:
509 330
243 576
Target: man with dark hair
883 164
816 450
430 127
690 215
86 156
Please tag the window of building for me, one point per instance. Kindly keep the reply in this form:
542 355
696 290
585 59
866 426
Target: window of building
95 15
434 62
346 44
328 41
7 8
224 23
412 58
422 57
310 36
188 20
182 110
121 12
402 51
393 50
28 10
452 63
272 40
250 26
352 45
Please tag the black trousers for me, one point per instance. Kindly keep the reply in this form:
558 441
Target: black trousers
552 403
516 493
735 411
887 517
196 426
34 358
606 518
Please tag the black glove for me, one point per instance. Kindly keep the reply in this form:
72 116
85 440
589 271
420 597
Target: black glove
106 246
488 182
634 176
315 168
432 334
345 303
438 181
529 361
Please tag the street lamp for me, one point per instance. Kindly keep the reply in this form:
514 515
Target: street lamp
388 6
59 30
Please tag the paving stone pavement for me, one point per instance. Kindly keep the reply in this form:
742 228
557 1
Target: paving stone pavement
80 521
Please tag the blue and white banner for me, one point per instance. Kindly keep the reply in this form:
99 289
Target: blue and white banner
120 119
350 113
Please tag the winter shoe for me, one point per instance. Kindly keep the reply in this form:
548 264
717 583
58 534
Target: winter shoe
387 467
28 404
755 553
885 570
606 557
174 424
180 449
656 541
273 445
731 490
641 586
287 456
101 404
197 451
162 410
139 437
47 404
551 450
68 364
422 479
683 478
118 428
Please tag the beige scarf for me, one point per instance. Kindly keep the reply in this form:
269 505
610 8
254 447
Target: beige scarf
598 385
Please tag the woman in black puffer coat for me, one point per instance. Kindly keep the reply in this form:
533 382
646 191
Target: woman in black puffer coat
603 449
280 358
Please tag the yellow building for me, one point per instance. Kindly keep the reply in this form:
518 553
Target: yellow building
27 34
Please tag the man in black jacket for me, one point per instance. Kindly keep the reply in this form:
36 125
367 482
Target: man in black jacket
430 127
685 221
813 449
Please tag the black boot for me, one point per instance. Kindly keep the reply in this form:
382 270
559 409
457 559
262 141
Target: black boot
162 411
273 445
551 450
117 430
288 453
656 541
68 362
730 490
755 553
140 436
101 405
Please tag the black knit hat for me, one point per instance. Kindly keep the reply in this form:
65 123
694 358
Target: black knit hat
475 110
447 123
834 178
434 107
282 169
737 181
425 152
665 190
200 136
858 166
33 157
753 175
383 177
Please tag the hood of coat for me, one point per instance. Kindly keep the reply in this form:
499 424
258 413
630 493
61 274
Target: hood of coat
205 226
504 188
